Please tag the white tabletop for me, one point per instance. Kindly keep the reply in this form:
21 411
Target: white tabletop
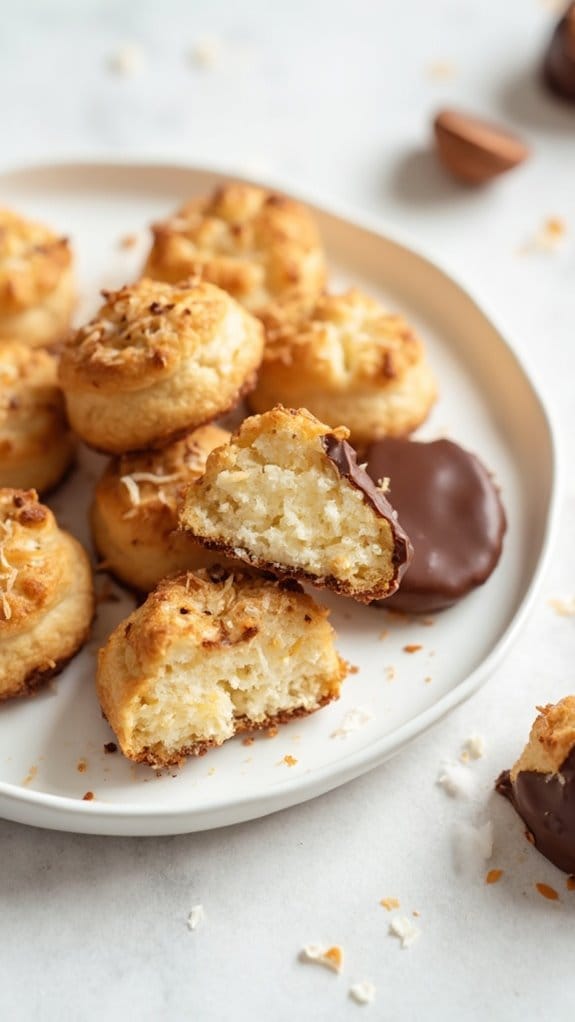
337 96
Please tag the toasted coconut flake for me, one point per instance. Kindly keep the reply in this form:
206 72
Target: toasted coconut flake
132 487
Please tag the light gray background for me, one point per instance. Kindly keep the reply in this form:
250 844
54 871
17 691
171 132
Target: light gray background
337 96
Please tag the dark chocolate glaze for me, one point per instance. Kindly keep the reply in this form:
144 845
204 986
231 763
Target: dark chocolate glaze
344 458
559 65
546 803
451 509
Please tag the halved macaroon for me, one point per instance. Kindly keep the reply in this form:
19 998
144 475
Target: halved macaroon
288 496
203 659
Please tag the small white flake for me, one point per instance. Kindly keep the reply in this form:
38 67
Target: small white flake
472 847
363 992
456 780
207 52
355 718
403 928
473 748
331 957
129 60
196 917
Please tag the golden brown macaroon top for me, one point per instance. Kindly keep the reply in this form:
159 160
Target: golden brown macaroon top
344 339
30 568
256 244
32 260
144 331
551 739
210 608
149 486
28 384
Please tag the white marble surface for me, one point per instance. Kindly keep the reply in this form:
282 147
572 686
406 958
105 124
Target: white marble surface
338 96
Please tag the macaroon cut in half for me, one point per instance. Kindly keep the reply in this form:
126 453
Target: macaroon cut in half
204 659
157 361
288 496
46 594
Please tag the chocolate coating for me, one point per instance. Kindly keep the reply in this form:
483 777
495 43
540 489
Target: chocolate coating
546 803
344 458
559 65
451 509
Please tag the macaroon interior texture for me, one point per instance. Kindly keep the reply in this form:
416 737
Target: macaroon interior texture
283 501
204 696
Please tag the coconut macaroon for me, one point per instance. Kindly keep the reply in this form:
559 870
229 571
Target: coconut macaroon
36 446
157 361
541 784
46 594
135 510
287 495
347 361
259 246
203 659
36 281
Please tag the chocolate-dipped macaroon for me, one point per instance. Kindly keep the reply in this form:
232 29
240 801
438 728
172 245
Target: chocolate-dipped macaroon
541 785
450 507
559 65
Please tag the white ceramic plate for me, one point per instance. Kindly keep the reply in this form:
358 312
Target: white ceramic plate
52 746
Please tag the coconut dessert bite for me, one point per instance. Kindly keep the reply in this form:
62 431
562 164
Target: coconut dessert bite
36 281
134 513
541 784
348 360
259 246
157 361
203 659
36 445
287 495
46 594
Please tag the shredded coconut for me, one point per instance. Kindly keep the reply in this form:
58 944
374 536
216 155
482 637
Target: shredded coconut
196 917
132 487
127 61
355 718
331 957
456 780
152 477
363 992
473 748
207 52
403 928
565 608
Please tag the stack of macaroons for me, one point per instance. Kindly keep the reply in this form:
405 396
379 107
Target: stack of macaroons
221 530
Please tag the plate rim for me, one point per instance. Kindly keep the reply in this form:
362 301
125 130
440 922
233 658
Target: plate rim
303 787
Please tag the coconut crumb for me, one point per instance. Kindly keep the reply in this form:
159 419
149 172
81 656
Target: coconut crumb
362 992
493 876
412 647
88 796
355 718
196 917
441 71
472 748
271 731
331 957
563 607
390 673
128 241
390 904
547 892
82 766
406 931
289 761
207 52
30 776
456 781
127 61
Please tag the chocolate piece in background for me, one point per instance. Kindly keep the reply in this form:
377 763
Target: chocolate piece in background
344 458
473 150
451 509
559 64
546 804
